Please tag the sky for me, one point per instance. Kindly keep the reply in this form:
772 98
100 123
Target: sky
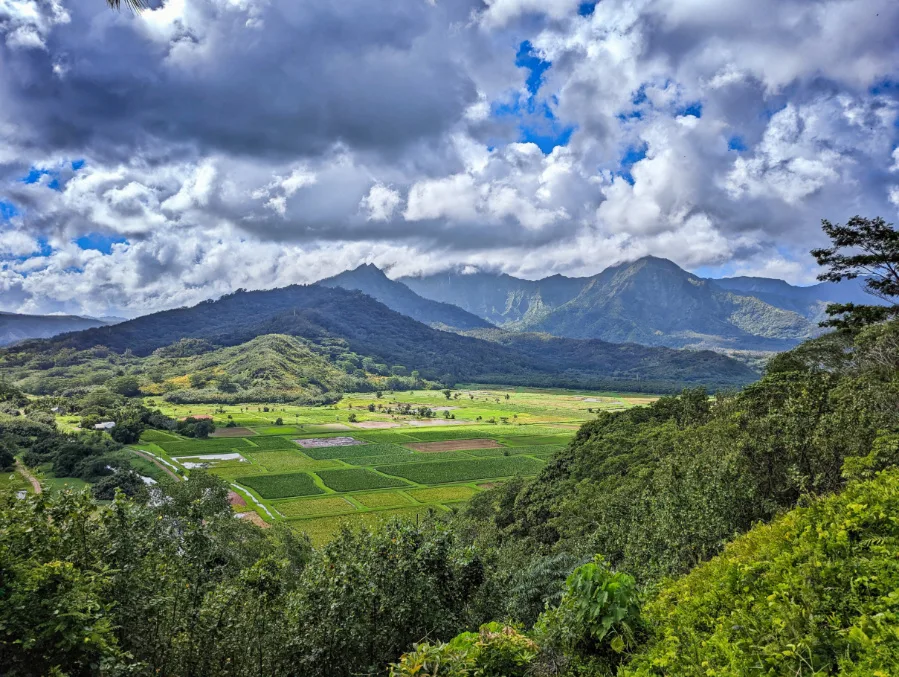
154 160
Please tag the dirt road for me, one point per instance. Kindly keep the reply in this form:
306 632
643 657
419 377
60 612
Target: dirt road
155 462
23 471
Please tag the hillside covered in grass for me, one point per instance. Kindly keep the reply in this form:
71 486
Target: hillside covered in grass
272 367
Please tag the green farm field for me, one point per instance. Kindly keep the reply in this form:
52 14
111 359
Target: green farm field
365 459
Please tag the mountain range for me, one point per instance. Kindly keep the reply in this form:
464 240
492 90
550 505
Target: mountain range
349 331
616 329
651 301
16 327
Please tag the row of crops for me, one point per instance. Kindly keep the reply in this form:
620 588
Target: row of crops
286 485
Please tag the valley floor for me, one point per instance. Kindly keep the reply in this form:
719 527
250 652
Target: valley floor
362 460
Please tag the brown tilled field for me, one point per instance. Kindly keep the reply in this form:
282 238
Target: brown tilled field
233 432
454 445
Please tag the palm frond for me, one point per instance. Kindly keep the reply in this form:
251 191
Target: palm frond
134 5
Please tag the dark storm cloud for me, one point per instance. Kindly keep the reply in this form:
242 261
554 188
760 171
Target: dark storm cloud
263 79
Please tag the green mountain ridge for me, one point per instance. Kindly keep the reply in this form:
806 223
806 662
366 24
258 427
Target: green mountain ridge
654 302
498 298
651 301
352 332
370 280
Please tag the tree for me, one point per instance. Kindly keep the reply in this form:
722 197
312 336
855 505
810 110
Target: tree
867 248
7 456
447 393
129 386
203 427
127 481
226 384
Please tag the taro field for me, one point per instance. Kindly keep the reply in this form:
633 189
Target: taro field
320 469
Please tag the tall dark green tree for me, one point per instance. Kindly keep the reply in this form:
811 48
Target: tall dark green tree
866 248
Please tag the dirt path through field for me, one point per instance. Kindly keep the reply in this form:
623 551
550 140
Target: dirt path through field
162 466
23 471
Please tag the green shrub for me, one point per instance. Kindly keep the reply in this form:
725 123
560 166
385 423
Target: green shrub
814 593
494 651
597 616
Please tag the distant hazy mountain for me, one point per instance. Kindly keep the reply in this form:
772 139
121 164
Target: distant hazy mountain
15 327
654 302
810 302
651 301
370 280
497 297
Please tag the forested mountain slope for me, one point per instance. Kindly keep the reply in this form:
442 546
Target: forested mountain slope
349 326
650 301
810 302
660 488
497 297
654 302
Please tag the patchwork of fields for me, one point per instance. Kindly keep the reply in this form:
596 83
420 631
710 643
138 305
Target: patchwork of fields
318 475
317 487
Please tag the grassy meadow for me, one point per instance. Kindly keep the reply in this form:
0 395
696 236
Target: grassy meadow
363 460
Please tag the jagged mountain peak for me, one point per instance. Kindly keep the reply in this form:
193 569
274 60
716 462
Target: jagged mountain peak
371 280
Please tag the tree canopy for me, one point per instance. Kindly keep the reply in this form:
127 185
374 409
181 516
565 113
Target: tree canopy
867 248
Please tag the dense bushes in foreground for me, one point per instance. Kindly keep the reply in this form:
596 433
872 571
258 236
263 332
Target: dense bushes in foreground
179 587
813 593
